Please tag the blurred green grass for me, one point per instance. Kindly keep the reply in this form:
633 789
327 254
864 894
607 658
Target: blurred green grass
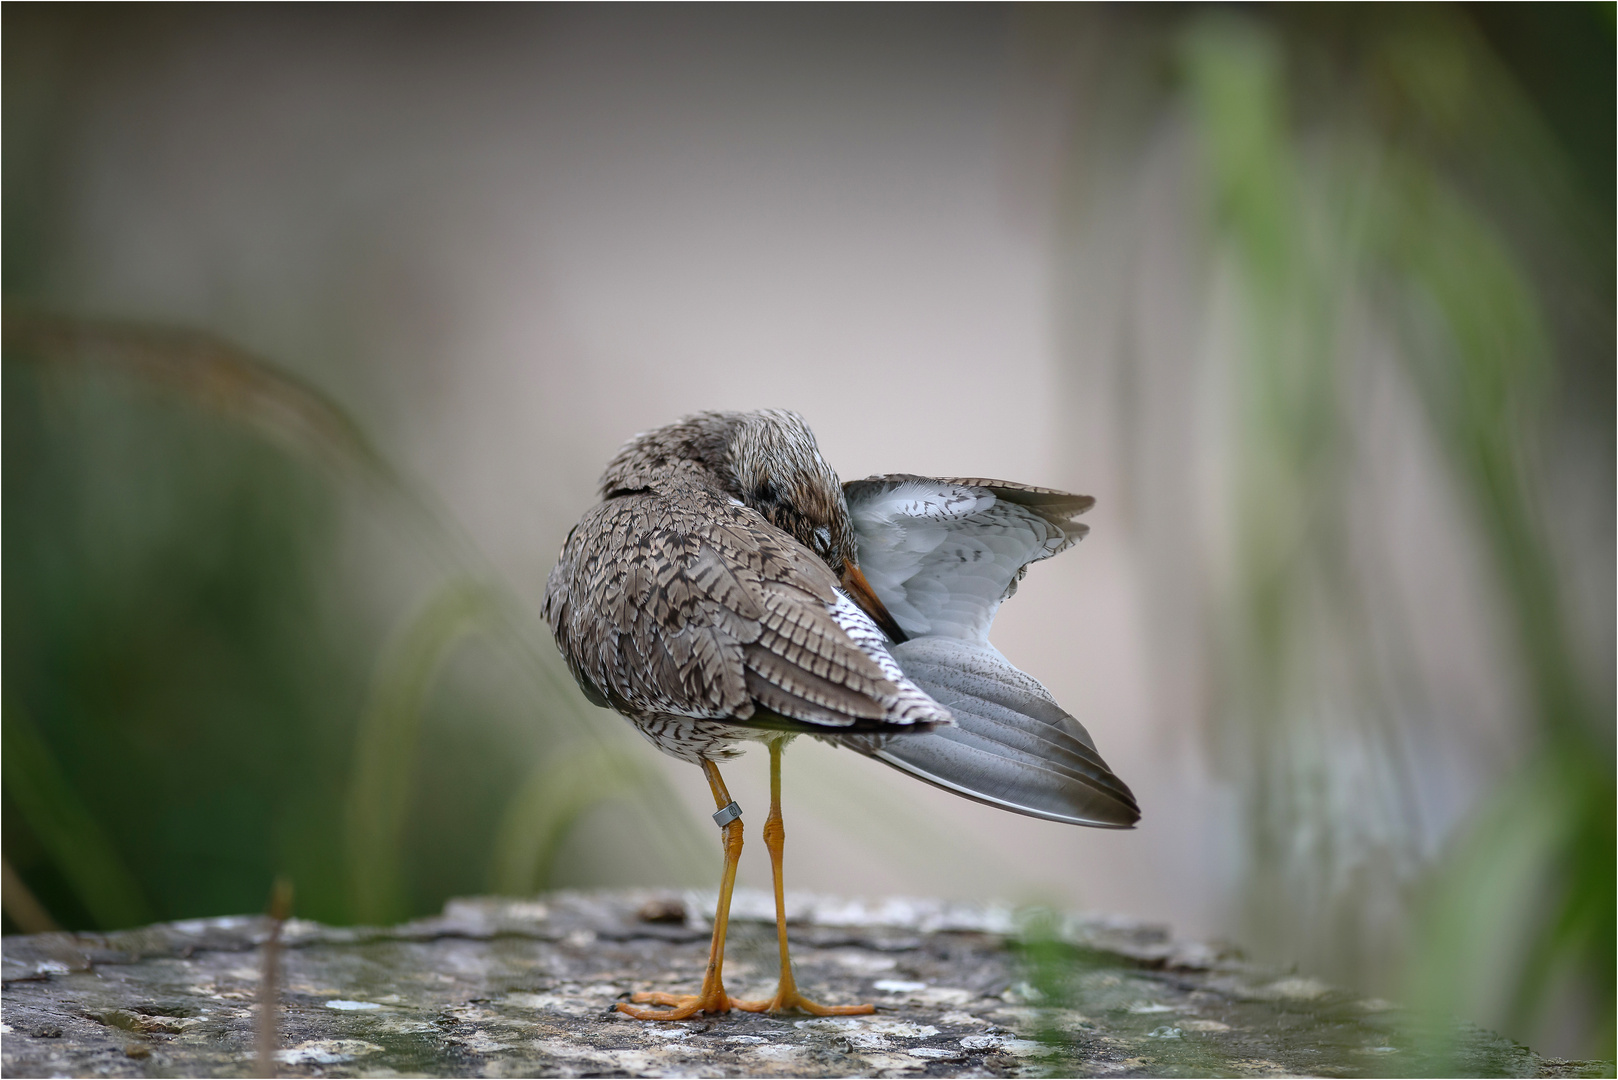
1430 180
201 691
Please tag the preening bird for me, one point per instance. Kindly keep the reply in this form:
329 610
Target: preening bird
728 588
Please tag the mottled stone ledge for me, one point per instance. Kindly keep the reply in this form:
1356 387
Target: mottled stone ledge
497 987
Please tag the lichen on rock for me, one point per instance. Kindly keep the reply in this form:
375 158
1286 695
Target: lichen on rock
497 987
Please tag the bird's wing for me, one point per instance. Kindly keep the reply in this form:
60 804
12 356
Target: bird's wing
1012 745
687 603
942 554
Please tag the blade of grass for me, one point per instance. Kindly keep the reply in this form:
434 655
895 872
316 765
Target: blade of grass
385 743
269 982
556 794
215 374
66 828
22 905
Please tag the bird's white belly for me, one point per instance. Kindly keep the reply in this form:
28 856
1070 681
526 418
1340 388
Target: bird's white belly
696 739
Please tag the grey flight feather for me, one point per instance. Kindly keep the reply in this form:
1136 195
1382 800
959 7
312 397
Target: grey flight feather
942 555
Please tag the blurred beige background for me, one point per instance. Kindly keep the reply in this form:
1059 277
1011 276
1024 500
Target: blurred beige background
512 238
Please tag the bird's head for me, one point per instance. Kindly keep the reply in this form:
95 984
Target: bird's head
774 467
768 461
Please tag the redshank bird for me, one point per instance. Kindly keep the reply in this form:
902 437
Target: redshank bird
728 588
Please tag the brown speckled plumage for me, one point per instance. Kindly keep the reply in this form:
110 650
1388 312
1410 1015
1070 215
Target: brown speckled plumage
698 598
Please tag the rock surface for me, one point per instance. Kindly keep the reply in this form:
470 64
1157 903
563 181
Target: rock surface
520 988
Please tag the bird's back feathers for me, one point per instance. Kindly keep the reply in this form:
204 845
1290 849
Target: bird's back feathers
681 602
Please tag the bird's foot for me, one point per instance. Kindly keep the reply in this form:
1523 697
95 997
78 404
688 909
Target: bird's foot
680 1006
789 1000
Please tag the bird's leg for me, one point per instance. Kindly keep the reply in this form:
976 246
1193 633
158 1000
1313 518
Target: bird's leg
712 997
786 994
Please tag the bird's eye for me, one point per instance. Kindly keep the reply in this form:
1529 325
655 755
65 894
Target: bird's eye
823 538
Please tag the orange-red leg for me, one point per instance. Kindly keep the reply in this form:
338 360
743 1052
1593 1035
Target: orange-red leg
712 997
786 994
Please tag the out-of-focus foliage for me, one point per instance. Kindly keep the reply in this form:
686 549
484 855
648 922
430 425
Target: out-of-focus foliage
388 741
1376 184
188 650
67 831
554 795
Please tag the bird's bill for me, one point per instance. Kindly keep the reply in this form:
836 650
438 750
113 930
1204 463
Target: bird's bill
859 590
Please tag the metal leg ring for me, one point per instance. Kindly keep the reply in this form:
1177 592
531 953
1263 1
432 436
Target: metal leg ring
724 816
